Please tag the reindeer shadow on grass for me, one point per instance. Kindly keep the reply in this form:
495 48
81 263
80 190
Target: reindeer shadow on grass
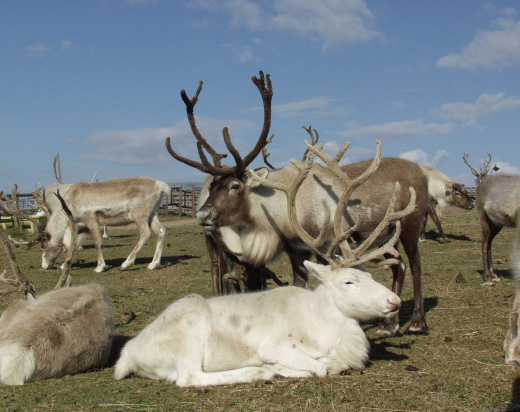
433 235
381 347
140 262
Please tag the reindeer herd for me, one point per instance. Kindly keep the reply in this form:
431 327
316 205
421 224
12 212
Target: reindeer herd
342 216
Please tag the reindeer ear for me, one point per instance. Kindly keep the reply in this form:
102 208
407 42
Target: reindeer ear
255 177
448 187
321 272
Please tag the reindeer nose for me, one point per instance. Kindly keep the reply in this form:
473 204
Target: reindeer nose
203 216
394 303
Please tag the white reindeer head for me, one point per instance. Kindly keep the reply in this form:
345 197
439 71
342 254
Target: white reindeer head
354 292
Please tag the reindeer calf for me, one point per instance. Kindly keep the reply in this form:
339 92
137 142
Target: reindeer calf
58 333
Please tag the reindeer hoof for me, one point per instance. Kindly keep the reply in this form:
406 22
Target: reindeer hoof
417 330
100 269
384 332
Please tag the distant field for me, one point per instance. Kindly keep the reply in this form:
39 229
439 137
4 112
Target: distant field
458 366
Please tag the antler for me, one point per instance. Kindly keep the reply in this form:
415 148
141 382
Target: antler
351 257
483 171
57 168
266 154
216 168
21 280
314 139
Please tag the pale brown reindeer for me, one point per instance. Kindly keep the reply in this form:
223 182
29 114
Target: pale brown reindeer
113 202
443 192
498 206
252 219
65 331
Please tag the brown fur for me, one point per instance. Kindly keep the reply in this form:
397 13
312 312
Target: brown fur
258 215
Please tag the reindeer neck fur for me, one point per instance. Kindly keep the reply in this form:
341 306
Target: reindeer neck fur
59 229
266 230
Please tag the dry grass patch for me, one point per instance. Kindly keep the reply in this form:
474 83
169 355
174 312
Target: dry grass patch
458 366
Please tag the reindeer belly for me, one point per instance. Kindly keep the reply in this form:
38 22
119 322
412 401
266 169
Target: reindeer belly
225 352
113 217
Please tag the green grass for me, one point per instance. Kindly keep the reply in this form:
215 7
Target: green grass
458 366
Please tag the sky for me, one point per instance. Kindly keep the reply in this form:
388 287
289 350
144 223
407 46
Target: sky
99 83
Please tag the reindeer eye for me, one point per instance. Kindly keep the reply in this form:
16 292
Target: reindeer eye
349 283
236 186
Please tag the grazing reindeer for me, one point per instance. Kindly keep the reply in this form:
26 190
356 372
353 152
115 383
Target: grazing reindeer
51 202
252 221
65 331
289 331
443 192
114 202
498 206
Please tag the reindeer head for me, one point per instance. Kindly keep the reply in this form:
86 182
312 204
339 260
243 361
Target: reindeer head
354 292
230 184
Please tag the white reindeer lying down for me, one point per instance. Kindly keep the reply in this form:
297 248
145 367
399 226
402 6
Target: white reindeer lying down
58 333
288 331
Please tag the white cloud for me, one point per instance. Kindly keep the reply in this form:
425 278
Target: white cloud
440 156
65 44
147 146
421 157
507 168
297 108
335 23
490 49
36 51
417 156
403 129
469 112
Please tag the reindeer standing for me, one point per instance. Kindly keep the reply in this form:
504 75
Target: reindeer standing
252 221
498 206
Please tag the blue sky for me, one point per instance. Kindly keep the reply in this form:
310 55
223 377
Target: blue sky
98 81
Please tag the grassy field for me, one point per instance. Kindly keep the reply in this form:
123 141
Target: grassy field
458 366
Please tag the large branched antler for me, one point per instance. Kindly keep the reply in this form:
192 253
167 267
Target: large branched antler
351 257
483 170
203 146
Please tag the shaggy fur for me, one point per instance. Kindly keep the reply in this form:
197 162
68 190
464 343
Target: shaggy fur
290 331
59 333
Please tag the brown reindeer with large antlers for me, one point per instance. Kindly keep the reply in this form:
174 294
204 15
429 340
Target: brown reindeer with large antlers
252 220
498 206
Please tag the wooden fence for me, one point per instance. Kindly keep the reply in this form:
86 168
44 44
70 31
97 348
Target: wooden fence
182 200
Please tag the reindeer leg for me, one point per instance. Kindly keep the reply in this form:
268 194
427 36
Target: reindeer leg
144 230
489 231
93 227
160 231
390 326
511 345
418 322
